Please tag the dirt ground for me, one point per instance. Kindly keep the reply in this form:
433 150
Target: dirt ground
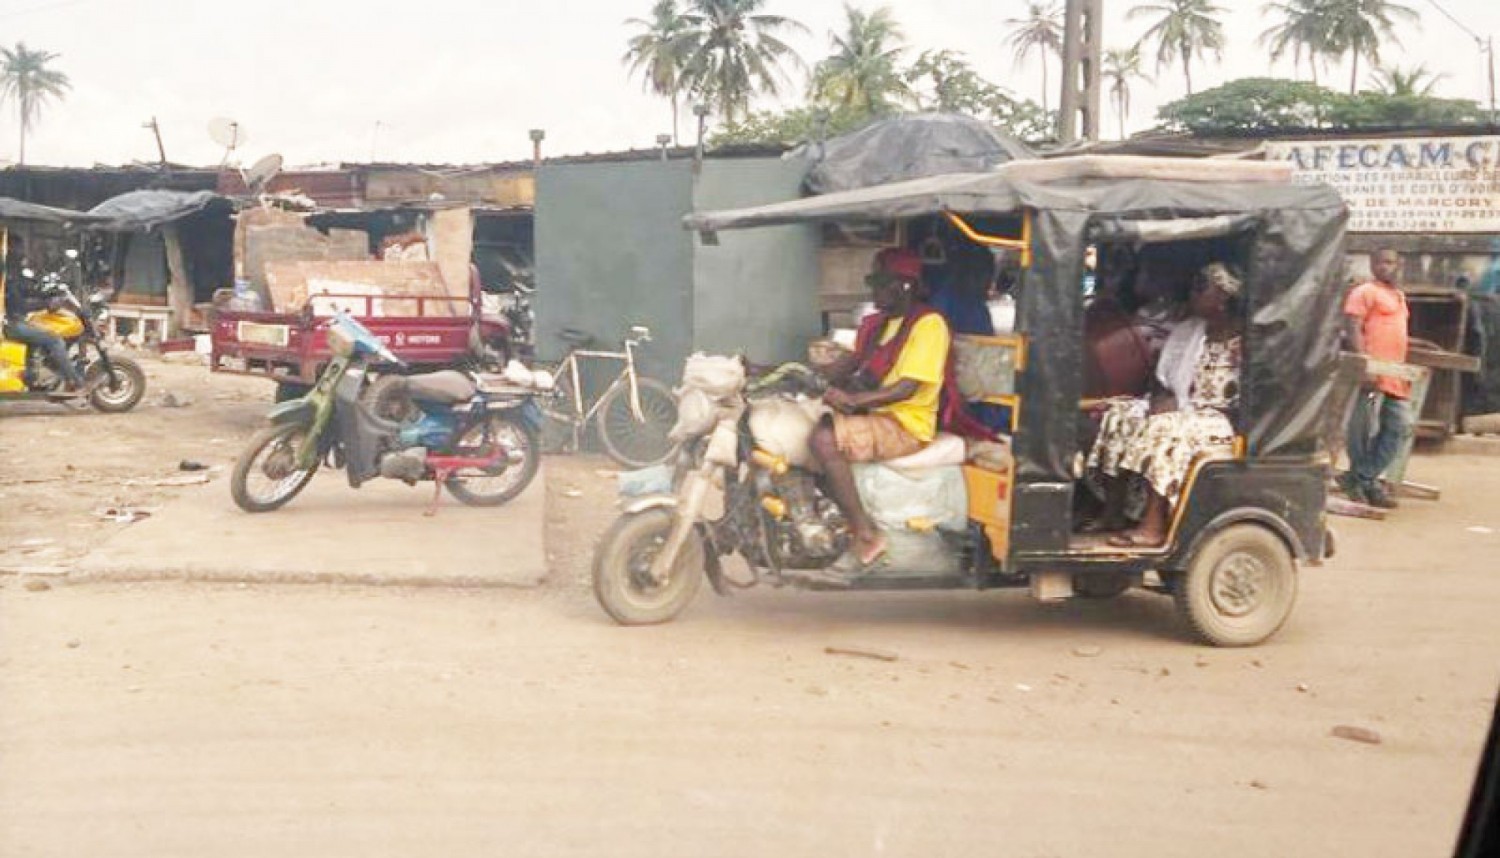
169 719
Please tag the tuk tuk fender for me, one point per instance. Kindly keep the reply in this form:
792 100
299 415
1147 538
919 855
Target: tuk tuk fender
1245 515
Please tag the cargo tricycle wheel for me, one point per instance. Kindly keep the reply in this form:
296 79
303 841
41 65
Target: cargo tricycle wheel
1239 588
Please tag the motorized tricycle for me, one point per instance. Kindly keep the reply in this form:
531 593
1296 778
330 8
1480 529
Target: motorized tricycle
1246 516
475 436
113 383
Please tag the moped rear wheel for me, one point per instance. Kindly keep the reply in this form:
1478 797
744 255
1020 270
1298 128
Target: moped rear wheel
505 481
622 570
121 390
638 443
266 475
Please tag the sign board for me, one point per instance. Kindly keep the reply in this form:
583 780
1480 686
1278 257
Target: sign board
1405 185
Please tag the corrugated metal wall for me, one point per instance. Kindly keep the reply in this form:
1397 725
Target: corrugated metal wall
611 252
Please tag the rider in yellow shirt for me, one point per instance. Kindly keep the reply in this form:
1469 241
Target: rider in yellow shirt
889 394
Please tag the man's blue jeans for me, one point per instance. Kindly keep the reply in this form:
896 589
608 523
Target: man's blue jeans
1379 426
49 344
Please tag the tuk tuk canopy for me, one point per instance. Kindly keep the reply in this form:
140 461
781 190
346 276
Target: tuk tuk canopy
1293 285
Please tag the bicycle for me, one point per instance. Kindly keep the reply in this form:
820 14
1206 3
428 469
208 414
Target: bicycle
632 416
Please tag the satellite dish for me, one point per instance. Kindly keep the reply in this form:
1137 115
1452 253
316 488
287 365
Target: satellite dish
227 133
261 172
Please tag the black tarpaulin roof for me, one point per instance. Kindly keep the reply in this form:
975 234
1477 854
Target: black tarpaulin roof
13 210
909 147
1090 183
148 209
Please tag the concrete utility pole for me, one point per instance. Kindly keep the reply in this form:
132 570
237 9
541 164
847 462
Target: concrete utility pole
1082 47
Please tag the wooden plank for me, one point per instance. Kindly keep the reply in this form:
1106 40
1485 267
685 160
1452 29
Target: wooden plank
1439 359
1420 491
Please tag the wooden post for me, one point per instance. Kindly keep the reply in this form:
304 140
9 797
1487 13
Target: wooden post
179 284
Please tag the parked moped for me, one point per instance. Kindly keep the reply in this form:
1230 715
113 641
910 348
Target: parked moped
474 435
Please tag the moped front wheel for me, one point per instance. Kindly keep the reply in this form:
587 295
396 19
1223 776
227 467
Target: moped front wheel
266 476
622 570
506 480
638 443
120 390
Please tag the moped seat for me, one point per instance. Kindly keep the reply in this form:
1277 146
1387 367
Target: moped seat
445 387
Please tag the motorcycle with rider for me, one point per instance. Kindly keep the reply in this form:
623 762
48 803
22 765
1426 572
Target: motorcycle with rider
52 345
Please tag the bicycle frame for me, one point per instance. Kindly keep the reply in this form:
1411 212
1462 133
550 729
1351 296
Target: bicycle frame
626 375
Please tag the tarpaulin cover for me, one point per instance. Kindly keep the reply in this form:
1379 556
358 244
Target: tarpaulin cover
909 147
18 210
140 210
1295 236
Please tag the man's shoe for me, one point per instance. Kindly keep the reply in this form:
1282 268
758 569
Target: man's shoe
1379 498
1351 489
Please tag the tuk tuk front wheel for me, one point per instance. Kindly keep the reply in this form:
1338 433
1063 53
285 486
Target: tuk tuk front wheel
622 570
1239 588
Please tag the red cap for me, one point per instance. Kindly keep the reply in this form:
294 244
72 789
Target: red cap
905 264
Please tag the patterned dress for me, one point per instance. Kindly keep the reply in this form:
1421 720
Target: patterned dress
1160 447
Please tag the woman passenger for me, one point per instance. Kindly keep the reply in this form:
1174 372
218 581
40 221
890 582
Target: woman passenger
1194 390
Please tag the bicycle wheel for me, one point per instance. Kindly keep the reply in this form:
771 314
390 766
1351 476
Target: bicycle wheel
558 434
638 443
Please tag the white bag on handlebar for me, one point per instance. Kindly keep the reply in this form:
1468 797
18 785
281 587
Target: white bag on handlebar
696 414
718 376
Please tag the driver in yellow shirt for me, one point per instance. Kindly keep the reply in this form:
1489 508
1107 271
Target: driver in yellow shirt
887 394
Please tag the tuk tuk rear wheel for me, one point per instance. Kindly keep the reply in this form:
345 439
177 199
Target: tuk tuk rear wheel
622 564
1239 588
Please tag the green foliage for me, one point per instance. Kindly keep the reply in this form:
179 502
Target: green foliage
25 77
789 127
864 68
1184 29
1259 105
941 81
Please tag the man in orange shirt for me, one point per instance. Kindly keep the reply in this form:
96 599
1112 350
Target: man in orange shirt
1376 319
890 398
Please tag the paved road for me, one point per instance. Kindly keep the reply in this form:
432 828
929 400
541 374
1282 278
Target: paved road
248 720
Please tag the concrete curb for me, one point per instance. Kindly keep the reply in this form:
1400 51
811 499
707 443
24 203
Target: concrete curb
128 575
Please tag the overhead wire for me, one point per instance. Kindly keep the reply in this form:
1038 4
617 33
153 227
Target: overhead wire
1457 23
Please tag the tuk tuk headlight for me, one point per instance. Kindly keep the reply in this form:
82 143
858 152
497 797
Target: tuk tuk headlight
339 342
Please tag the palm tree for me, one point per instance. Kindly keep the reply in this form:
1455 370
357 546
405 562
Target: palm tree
1121 66
732 52
1184 29
1393 80
1304 27
25 77
1358 26
657 53
1041 30
862 72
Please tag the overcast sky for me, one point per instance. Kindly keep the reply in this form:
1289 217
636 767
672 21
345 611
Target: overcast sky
462 81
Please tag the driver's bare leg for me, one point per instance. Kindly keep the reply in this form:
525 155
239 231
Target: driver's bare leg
839 478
